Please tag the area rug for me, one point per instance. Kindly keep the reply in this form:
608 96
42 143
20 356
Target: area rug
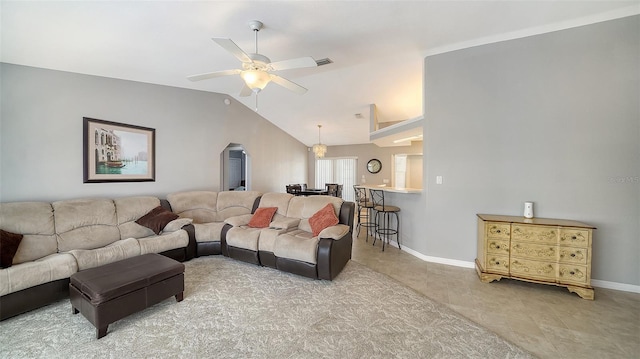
233 309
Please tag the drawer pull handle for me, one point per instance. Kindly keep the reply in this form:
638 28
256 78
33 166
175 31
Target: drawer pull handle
498 231
572 272
573 254
574 237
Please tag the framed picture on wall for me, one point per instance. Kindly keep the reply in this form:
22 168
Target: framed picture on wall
117 152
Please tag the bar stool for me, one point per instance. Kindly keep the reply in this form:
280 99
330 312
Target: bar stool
383 225
362 202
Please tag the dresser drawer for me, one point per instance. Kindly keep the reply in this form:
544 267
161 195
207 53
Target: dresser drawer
498 264
574 237
568 273
497 246
498 230
542 252
530 269
534 234
573 255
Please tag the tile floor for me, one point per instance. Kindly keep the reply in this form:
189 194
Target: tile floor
546 320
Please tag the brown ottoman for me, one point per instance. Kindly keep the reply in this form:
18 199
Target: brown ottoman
113 291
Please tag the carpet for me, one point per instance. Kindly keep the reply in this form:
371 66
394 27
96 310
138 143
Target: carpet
232 309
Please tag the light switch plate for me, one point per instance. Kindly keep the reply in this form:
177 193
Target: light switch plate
438 179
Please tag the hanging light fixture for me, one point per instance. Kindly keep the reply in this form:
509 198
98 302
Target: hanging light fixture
255 75
256 80
319 149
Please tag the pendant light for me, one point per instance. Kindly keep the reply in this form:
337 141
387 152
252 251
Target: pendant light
319 149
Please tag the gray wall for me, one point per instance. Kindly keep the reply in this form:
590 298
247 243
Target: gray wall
41 136
553 119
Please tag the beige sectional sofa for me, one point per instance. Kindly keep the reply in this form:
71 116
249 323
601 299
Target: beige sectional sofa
64 237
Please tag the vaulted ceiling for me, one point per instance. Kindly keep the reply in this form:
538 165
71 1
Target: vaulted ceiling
377 47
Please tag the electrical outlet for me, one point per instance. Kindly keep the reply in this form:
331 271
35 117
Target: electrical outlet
385 181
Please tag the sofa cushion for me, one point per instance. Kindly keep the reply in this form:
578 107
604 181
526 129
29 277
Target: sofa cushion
34 220
9 243
90 258
243 237
262 217
25 275
274 199
268 238
235 203
85 223
156 219
324 218
208 232
129 210
198 205
295 247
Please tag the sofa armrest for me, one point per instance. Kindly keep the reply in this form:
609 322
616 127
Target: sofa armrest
347 213
334 232
190 251
177 224
333 256
282 222
241 220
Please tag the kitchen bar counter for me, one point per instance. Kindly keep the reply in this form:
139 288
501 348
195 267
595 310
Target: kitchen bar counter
392 189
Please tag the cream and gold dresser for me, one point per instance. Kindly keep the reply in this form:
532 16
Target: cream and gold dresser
539 250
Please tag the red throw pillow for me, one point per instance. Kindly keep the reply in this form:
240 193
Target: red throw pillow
324 218
156 219
9 243
262 217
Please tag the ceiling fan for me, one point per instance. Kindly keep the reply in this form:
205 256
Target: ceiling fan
256 68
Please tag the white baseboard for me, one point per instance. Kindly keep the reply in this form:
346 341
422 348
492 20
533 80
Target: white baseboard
447 261
464 264
616 286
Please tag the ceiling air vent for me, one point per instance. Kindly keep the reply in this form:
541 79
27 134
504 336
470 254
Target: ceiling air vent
325 61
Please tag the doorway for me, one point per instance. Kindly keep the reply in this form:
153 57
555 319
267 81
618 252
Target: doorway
235 168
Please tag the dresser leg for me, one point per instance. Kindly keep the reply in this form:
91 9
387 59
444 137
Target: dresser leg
584 293
486 277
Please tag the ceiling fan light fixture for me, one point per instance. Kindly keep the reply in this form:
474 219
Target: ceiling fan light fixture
256 80
319 149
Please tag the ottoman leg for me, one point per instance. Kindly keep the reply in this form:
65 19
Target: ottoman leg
101 332
74 310
179 297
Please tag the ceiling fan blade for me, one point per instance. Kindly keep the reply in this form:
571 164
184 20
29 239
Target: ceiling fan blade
234 49
246 91
210 75
293 63
288 84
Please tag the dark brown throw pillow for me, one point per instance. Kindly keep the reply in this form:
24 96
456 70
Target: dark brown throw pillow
9 243
156 219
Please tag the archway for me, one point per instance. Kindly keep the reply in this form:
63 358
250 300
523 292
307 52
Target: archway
234 171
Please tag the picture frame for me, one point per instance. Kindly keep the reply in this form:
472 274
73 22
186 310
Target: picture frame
118 152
